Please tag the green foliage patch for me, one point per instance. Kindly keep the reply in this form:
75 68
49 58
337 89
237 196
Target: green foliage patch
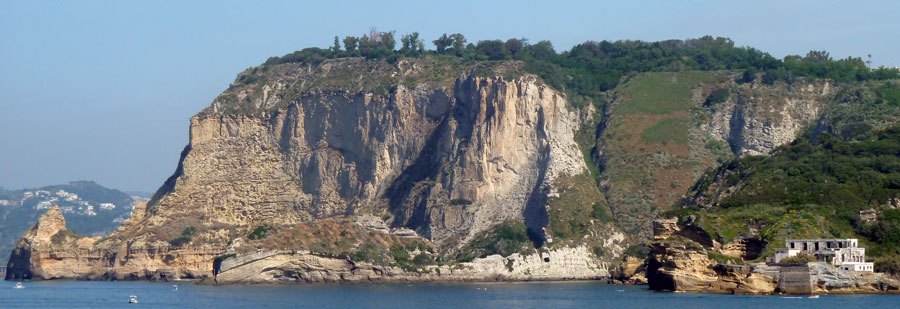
667 130
813 190
578 203
662 92
261 232
717 96
184 238
505 238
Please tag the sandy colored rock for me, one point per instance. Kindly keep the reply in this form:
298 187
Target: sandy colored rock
437 161
287 267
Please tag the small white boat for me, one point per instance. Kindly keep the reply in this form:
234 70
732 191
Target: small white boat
174 287
813 296
132 299
19 285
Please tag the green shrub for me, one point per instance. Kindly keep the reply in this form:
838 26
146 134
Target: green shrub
369 253
888 264
717 96
399 253
640 251
422 259
460 201
261 232
184 238
600 213
505 238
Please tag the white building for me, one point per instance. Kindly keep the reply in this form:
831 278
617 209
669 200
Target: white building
842 253
107 206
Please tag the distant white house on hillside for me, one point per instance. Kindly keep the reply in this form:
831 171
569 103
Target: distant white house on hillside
842 253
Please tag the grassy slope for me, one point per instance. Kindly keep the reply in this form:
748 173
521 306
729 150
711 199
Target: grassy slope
652 152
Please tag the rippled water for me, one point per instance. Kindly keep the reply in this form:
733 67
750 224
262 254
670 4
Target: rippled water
102 294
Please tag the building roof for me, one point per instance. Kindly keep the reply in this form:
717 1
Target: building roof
823 239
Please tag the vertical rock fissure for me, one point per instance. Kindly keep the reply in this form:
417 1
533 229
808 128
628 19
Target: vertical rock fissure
535 212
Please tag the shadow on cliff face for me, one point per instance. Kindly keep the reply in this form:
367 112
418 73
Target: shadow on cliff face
535 212
169 185
426 166
736 128
17 267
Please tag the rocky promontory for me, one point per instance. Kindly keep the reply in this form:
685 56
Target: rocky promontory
679 263
362 170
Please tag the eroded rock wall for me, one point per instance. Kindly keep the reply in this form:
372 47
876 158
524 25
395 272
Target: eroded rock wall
445 159
758 118
289 267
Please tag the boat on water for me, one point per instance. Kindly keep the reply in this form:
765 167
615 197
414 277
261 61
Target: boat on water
813 296
132 299
19 285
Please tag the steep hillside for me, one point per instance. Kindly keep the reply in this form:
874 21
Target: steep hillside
819 189
664 130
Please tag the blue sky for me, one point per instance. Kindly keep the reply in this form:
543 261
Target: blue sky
103 90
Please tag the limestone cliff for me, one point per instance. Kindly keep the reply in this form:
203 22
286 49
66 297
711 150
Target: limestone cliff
445 161
757 118
284 164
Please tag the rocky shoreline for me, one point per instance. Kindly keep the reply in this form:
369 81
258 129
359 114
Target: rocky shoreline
44 254
677 263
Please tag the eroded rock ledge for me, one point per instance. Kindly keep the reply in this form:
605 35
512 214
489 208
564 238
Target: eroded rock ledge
305 267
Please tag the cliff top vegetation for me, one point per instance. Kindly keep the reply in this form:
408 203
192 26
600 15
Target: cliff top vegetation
590 68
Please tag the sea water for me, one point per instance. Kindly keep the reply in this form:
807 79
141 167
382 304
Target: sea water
105 294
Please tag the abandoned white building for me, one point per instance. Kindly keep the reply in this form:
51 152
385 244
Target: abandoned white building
842 253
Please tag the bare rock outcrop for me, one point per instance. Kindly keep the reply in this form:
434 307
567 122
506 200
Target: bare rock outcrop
631 270
573 263
412 151
757 118
49 251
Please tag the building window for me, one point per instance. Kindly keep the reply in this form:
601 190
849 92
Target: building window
817 246
792 245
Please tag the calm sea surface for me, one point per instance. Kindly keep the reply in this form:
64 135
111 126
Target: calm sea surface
102 294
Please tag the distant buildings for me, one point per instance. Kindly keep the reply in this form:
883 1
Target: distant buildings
842 253
68 202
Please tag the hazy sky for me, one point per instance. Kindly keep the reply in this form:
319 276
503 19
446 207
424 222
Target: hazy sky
103 90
